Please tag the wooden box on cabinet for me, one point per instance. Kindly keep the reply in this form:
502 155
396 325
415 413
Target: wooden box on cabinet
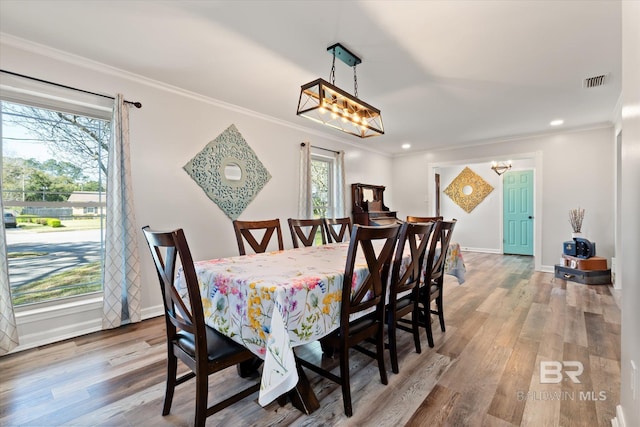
593 263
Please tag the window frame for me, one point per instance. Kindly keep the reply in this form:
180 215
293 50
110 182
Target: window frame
40 95
331 193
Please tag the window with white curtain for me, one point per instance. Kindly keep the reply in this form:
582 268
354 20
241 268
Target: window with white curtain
54 163
322 185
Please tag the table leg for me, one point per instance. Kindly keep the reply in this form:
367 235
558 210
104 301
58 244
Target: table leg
302 395
328 349
249 367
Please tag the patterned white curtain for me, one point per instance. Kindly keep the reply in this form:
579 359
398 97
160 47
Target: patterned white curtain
121 266
340 210
8 330
305 204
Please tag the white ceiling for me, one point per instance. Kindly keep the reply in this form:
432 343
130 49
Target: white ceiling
443 73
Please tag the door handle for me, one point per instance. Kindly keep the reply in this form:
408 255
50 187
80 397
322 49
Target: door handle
530 217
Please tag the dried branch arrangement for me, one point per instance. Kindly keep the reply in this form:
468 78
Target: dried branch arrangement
575 219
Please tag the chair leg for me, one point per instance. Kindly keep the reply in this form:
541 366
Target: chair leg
172 369
440 311
416 328
380 354
427 325
202 388
344 377
393 350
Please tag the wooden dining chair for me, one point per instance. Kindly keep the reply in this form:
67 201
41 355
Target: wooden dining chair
203 349
248 230
305 231
424 218
434 276
338 229
404 285
369 295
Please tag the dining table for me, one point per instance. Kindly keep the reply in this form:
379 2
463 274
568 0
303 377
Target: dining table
275 301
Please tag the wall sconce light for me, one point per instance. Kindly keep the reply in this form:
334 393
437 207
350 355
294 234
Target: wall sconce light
500 167
325 103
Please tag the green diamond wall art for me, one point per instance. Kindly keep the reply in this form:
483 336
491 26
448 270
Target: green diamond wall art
229 172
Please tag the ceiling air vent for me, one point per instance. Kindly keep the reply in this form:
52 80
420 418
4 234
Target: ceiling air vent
594 81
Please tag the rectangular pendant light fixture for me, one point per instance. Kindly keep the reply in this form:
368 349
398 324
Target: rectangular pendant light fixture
323 102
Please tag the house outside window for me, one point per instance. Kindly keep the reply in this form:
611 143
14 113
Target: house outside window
54 163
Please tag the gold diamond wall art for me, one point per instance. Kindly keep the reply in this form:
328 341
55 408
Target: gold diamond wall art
468 190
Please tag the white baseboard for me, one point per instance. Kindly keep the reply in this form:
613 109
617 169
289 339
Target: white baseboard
37 327
481 250
151 312
49 336
548 269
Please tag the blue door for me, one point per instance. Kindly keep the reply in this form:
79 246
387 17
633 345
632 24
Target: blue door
518 212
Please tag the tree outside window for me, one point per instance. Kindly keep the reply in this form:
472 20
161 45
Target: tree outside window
53 163
322 186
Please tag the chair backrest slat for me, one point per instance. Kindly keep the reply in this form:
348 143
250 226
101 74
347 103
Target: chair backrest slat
189 315
305 231
424 218
339 234
417 236
372 290
442 237
244 231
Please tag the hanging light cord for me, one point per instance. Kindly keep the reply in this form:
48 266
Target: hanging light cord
355 82
332 74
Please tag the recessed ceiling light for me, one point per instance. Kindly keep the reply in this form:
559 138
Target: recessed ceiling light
557 122
406 146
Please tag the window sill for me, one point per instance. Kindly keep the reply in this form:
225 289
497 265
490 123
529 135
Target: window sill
45 310
45 323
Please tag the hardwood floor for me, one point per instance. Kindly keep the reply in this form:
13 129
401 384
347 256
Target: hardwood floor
484 370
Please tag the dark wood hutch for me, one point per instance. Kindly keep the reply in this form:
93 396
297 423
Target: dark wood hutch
368 205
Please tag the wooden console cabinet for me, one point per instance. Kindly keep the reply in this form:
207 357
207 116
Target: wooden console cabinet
368 206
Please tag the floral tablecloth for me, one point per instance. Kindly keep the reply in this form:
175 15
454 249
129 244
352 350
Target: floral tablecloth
454 264
275 301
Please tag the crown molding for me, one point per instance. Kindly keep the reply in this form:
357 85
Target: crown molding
80 61
513 138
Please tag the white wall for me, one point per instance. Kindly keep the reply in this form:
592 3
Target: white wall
166 133
571 169
487 238
630 224
471 237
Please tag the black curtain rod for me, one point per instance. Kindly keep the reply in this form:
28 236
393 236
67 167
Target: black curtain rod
135 104
302 144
